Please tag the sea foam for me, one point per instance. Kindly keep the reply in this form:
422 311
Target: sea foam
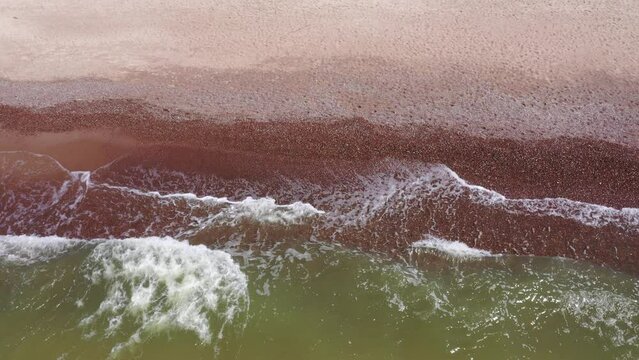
264 209
26 250
162 284
156 284
455 249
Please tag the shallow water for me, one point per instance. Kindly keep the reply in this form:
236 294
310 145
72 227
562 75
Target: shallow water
159 298
145 258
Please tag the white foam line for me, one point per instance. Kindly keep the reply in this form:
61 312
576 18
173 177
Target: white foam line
586 213
249 201
455 249
464 183
27 249
85 176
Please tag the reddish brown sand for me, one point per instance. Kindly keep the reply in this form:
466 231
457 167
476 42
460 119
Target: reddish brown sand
331 153
579 169
532 99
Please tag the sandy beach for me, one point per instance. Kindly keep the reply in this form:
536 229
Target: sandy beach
319 179
533 100
492 68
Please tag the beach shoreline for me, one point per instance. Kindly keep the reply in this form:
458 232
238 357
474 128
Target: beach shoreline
518 100
587 170
565 197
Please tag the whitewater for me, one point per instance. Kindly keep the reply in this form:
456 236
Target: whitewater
132 260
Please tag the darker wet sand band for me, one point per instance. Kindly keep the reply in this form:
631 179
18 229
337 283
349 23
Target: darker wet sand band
592 171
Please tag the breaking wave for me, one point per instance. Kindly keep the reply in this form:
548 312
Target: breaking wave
155 285
26 250
142 287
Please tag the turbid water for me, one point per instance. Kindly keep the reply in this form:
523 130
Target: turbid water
159 298
142 259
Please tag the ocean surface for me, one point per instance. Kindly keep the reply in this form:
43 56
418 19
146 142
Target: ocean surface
395 260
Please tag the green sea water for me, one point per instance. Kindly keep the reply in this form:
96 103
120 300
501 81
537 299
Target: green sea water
159 298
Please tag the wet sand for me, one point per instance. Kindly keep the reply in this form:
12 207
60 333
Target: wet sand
580 169
260 159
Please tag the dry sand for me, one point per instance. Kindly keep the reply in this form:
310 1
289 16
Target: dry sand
521 69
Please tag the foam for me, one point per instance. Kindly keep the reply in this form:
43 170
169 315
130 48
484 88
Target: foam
163 284
191 215
48 206
455 249
408 182
604 312
397 191
26 250
43 183
586 213
292 255
262 209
